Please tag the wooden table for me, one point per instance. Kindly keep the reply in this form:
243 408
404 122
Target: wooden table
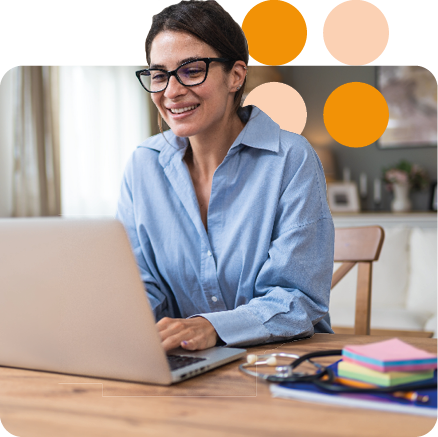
223 402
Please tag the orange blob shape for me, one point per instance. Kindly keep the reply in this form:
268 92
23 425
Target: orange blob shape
276 32
282 103
356 114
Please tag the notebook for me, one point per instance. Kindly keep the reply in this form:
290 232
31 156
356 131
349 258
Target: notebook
72 301
306 391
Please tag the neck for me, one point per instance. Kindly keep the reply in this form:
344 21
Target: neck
207 151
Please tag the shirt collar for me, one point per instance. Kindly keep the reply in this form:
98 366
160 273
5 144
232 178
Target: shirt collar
168 144
260 132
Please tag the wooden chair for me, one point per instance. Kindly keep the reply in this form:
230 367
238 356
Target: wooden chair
360 246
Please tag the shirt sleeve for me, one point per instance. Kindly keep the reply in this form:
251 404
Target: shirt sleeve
149 274
292 289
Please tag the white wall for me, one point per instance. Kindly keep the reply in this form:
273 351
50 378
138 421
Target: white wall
6 138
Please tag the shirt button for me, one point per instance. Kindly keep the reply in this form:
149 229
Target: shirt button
209 253
214 299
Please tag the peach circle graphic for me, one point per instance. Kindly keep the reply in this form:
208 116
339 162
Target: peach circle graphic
348 37
356 114
282 103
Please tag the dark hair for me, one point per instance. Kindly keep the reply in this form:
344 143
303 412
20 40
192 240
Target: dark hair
209 22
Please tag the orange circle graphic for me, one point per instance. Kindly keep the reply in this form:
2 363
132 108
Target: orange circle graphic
356 114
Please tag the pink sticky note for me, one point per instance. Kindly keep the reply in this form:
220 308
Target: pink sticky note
390 350
389 355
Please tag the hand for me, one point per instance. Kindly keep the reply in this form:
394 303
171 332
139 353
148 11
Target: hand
192 334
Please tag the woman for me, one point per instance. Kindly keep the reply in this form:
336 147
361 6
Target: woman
226 213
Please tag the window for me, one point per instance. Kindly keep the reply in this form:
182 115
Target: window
104 115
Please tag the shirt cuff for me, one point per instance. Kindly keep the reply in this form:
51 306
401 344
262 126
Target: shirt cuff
237 327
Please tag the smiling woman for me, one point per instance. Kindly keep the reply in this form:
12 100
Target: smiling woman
211 102
226 213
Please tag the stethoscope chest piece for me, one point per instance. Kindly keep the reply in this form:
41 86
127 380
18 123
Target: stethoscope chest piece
287 373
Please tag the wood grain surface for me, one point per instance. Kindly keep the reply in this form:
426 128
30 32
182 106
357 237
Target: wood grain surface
222 402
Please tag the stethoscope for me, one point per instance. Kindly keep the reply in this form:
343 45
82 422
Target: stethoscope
286 373
324 377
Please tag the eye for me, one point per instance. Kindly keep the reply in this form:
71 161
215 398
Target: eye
158 76
194 70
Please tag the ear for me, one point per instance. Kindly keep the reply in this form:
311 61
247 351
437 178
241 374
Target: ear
237 76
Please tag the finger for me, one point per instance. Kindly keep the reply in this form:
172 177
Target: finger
172 338
169 328
163 323
199 342
190 345
172 342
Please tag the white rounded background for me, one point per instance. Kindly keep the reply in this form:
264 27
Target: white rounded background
282 103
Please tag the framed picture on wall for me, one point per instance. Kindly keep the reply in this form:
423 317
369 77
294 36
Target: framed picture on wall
343 197
411 95
434 196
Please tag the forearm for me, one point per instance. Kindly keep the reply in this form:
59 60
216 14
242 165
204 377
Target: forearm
278 316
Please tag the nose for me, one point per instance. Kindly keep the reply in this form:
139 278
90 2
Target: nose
174 88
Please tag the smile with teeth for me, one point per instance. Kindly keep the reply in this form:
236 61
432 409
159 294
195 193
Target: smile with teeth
180 110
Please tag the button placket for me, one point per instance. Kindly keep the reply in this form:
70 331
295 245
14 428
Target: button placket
213 292
210 284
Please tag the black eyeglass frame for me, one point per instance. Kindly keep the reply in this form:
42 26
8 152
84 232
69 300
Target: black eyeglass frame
174 72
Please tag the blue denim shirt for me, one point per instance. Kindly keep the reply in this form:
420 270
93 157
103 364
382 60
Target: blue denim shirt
263 271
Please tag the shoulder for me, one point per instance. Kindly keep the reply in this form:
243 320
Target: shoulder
300 158
145 157
261 132
156 142
303 172
291 143
149 150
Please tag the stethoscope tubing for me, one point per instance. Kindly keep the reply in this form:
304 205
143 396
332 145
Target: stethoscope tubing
328 384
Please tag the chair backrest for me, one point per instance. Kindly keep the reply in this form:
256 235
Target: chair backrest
360 246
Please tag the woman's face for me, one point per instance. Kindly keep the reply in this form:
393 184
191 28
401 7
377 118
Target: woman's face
211 102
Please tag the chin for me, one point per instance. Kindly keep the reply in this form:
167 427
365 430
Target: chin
182 131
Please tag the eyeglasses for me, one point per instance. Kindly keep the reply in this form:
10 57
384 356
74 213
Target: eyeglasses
191 73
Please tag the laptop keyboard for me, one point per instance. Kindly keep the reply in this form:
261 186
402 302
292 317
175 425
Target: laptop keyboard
179 361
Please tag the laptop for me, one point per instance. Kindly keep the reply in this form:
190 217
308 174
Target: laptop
72 301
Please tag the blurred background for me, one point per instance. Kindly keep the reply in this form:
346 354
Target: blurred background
66 133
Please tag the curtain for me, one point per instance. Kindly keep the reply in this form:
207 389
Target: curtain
72 131
104 115
36 167
7 91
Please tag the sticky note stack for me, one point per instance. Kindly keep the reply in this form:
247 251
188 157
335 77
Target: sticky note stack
386 363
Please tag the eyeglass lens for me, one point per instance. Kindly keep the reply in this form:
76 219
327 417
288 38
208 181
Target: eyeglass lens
189 74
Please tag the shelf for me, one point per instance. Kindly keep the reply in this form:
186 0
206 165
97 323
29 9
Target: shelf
413 219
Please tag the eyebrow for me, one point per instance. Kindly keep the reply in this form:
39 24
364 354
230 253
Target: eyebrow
180 62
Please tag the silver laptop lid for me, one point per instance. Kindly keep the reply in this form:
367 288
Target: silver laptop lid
71 300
